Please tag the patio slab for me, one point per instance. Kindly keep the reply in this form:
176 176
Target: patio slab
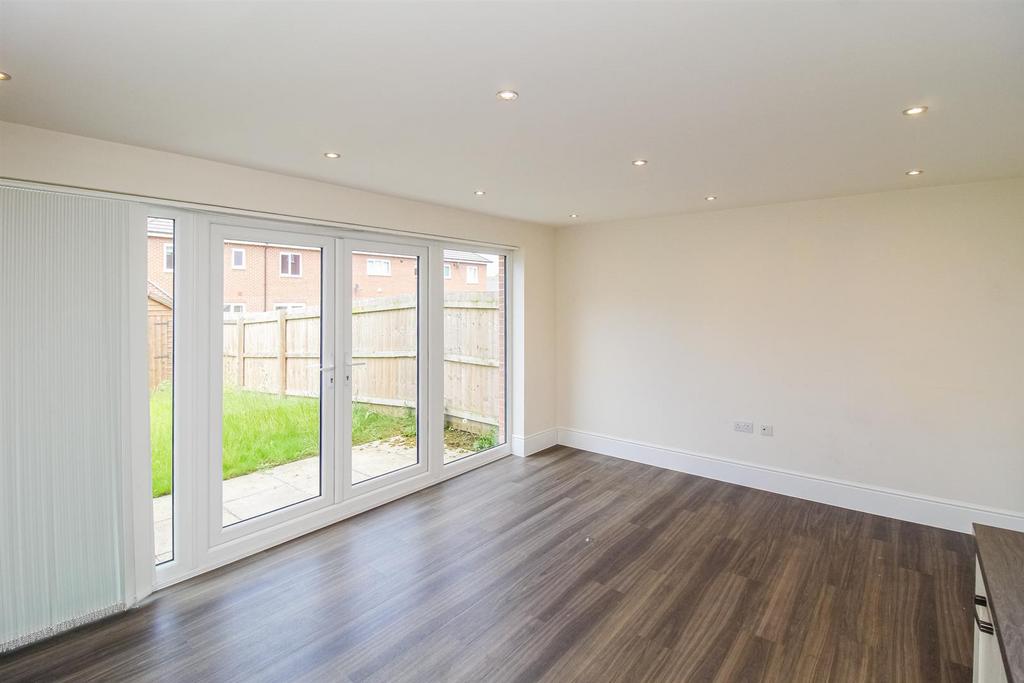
253 494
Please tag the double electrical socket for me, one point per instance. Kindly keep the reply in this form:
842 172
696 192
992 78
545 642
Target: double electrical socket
748 428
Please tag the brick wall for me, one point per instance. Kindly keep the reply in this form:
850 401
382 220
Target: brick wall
259 285
401 281
155 264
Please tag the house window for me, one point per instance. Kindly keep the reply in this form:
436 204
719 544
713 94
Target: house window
234 308
447 271
238 259
472 275
378 266
289 307
291 264
168 258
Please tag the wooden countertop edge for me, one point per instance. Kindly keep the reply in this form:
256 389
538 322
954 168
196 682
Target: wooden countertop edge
1010 677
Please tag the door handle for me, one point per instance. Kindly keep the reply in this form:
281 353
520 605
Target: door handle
984 625
352 365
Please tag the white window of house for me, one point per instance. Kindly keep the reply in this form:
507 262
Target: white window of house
234 308
447 271
378 266
289 307
238 259
291 264
472 275
168 258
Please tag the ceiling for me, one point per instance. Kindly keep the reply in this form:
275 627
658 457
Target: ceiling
754 102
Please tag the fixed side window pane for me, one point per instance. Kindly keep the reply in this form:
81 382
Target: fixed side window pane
474 353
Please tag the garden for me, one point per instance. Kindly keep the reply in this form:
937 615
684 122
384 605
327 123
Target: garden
262 430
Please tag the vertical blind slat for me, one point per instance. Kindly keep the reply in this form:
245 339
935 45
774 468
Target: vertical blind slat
63 350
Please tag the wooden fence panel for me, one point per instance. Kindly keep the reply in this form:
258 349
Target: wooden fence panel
260 356
160 338
302 353
279 352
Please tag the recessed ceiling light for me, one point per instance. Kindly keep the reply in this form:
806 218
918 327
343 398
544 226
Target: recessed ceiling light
479 193
915 111
639 162
331 155
508 95
5 76
710 198
915 171
574 215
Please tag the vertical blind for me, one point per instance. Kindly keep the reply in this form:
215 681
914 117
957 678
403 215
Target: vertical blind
63 359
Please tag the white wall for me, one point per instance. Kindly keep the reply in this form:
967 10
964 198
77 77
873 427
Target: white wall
39 155
882 335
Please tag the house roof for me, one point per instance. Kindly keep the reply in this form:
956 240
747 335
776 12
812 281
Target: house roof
160 227
466 257
157 294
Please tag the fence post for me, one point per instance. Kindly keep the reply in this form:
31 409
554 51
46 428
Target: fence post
240 336
282 353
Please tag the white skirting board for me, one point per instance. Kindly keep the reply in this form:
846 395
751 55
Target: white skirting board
910 507
534 443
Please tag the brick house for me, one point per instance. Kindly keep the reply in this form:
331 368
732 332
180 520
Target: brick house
257 277
260 277
376 275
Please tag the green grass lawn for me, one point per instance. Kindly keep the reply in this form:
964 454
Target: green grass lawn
263 430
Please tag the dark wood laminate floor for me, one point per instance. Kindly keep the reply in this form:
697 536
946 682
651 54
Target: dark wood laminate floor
566 566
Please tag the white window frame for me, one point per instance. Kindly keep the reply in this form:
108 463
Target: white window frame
447 271
386 262
231 308
288 306
472 275
474 460
200 298
169 251
237 266
297 255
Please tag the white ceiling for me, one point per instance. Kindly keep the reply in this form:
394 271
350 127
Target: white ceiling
756 103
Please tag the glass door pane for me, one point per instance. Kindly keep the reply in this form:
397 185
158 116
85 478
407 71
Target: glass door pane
272 349
385 361
160 347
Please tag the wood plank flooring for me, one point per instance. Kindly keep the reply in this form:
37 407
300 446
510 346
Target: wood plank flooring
566 566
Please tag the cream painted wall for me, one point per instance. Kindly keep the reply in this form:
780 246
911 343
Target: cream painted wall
882 335
39 155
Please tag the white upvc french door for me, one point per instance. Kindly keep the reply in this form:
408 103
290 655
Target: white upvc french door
308 382
309 336
384 345
272 378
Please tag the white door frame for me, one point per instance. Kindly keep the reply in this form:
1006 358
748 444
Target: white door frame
187 402
198 294
218 233
346 248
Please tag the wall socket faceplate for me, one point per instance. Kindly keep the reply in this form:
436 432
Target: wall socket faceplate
745 427
767 430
